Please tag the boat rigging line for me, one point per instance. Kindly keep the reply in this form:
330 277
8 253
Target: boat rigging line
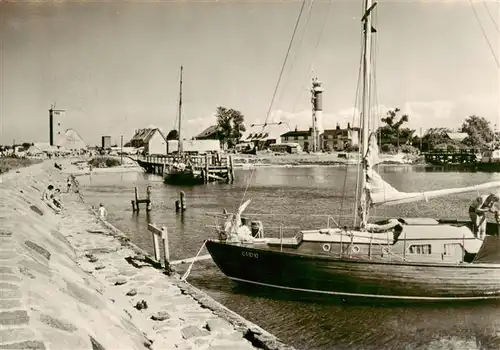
491 17
286 59
276 89
484 33
308 16
313 58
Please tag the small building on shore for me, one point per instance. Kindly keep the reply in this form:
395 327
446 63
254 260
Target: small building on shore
152 139
339 139
291 147
210 133
301 137
330 139
434 136
264 135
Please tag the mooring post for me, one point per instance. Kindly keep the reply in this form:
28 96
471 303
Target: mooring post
183 201
136 199
231 169
164 237
156 246
163 234
148 203
207 167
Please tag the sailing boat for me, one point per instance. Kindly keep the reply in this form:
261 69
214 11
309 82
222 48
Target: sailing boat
417 259
180 172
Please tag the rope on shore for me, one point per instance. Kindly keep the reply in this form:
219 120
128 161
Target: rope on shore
186 274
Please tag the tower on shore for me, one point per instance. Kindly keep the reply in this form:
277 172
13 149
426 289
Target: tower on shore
317 114
55 125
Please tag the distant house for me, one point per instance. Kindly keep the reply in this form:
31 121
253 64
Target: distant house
286 148
210 133
264 135
151 139
38 149
302 137
457 136
338 138
441 133
195 146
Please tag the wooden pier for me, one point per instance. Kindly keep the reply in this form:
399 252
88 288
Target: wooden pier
209 167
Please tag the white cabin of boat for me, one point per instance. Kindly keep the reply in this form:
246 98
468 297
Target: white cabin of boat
412 239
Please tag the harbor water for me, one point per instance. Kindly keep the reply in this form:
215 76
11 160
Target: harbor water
293 198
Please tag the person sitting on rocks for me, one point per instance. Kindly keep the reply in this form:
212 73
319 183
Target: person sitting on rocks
48 192
56 199
48 197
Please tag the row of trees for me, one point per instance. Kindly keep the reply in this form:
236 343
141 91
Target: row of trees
394 134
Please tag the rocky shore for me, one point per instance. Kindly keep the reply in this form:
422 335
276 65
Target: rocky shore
73 281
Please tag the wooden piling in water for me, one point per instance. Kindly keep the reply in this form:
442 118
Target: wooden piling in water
137 201
136 196
230 169
207 169
148 198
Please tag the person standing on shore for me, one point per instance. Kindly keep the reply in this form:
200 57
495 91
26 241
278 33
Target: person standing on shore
68 184
103 213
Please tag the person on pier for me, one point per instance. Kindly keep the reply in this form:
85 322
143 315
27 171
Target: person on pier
478 209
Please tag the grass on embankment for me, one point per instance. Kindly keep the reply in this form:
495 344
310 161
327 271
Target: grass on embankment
104 162
12 163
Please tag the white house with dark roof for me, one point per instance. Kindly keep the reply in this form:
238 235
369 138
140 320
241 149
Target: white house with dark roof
152 139
264 135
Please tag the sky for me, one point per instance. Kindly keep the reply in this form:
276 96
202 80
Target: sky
114 66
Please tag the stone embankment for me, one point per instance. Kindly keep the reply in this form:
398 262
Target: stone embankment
72 281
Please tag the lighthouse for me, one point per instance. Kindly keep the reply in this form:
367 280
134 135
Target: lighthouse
317 114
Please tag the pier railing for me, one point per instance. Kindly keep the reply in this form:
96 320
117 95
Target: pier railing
200 160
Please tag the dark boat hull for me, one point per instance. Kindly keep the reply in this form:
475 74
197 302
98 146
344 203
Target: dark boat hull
355 278
182 178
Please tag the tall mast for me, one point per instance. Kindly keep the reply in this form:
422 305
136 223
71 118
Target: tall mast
180 116
365 113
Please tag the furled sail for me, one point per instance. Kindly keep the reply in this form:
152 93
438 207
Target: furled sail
382 193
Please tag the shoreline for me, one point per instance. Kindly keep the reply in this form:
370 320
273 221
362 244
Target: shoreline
78 282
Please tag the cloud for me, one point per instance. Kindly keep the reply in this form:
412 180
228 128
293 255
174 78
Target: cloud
303 120
429 114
